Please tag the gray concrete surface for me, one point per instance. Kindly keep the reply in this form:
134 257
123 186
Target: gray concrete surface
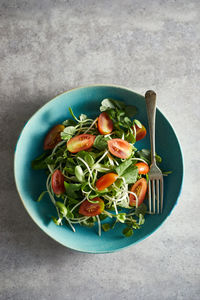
47 47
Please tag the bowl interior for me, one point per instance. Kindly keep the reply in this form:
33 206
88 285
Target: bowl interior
30 183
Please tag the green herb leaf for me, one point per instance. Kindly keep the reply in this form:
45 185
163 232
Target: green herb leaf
56 221
82 117
141 210
130 175
62 208
39 163
41 196
141 219
121 217
70 130
130 110
127 232
69 122
100 142
106 226
72 188
123 166
137 123
79 173
89 159
145 154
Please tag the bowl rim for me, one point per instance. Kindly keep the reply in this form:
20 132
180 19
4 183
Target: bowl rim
47 233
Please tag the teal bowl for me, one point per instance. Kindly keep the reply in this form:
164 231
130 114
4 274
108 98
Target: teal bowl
30 183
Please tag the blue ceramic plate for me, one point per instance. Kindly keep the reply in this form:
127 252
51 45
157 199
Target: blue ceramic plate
30 183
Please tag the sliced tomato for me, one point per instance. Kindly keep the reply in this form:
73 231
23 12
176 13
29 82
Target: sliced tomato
142 168
92 209
140 132
106 180
57 182
120 148
80 142
140 189
53 137
105 124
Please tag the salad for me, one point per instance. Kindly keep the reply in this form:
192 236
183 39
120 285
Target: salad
95 174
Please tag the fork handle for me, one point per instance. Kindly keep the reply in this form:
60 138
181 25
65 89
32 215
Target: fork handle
150 97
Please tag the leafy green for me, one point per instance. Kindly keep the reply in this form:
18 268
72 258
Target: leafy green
56 221
79 173
141 219
69 122
62 208
142 209
137 123
127 232
130 175
41 196
106 226
145 154
72 188
39 163
123 166
89 159
82 117
100 142
130 111
121 217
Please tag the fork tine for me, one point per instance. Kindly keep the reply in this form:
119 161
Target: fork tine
149 196
157 196
161 193
153 192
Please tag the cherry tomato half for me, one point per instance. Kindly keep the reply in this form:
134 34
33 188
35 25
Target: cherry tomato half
57 182
91 209
80 142
105 124
53 137
120 148
106 180
140 189
140 132
142 168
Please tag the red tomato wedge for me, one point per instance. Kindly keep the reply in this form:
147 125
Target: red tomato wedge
53 137
80 142
142 168
91 209
140 189
57 182
140 132
106 180
120 148
105 124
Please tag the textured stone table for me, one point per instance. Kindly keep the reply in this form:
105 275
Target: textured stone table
47 47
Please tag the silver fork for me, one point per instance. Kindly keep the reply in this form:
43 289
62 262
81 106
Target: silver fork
155 185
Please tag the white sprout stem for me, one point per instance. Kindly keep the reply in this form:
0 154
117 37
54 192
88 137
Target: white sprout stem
108 214
50 169
102 157
99 225
135 158
134 196
85 165
58 145
48 190
91 125
80 221
78 204
122 136
72 227
115 206
134 128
